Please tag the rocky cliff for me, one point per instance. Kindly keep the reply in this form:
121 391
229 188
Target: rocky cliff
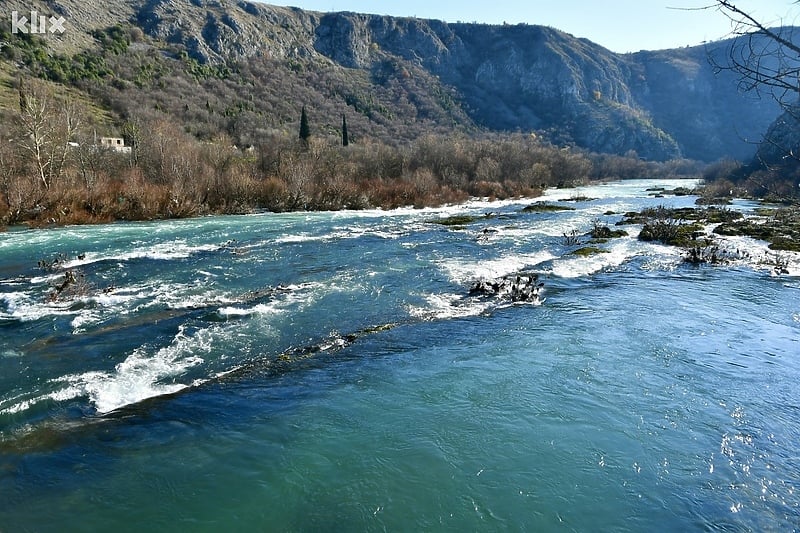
782 140
514 78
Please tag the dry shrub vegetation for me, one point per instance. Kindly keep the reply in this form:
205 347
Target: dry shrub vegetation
170 173
412 140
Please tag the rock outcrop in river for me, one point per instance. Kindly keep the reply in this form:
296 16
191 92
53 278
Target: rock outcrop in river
516 288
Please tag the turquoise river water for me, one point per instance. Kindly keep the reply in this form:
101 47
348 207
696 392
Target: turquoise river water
330 372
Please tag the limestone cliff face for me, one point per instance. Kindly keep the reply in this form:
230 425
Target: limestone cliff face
216 31
659 104
524 77
345 39
530 77
702 109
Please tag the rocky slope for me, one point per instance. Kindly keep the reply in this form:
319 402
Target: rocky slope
782 139
660 104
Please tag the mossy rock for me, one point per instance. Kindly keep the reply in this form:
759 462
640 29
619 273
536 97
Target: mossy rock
688 234
604 232
703 200
629 218
660 192
715 215
376 329
587 251
580 198
660 213
785 244
766 212
686 213
746 228
781 228
542 207
457 221
711 215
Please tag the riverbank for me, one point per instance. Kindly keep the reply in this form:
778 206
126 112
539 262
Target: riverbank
168 174
696 230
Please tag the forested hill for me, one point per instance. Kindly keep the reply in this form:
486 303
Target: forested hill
246 69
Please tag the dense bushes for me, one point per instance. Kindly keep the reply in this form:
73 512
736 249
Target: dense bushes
775 182
171 173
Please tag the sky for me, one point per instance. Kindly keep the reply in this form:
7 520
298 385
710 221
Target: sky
619 25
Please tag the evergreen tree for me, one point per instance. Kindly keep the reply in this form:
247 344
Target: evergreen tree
23 98
345 138
305 130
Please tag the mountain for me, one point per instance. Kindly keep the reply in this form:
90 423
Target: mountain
246 69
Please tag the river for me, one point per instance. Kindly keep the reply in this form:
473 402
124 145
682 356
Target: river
329 371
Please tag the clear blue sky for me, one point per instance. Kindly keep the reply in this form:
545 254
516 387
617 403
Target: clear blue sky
620 25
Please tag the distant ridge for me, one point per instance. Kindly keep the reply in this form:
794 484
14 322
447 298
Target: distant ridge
246 68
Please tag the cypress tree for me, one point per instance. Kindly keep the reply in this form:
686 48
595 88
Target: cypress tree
305 131
345 138
23 98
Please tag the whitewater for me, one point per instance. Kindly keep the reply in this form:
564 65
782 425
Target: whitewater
308 371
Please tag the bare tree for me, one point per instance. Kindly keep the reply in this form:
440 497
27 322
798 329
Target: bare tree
9 170
69 116
132 131
19 191
38 128
46 127
764 58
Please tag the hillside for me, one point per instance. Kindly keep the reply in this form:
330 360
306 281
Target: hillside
246 69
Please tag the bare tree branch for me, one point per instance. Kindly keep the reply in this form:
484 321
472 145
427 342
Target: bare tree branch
747 24
766 61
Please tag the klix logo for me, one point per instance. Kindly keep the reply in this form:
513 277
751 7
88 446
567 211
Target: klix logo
36 24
